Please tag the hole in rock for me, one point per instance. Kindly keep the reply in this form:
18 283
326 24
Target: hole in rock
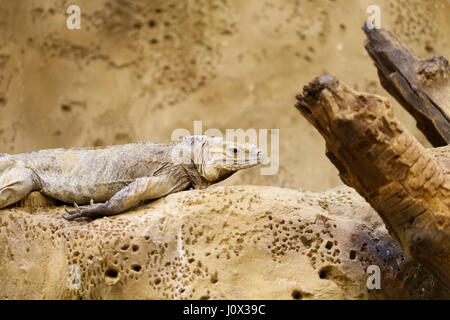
324 272
111 272
214 278
136 267
297 294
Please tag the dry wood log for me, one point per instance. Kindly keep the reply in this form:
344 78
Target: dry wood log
375 154
421 86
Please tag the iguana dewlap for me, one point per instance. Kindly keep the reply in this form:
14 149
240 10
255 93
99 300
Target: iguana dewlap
114 178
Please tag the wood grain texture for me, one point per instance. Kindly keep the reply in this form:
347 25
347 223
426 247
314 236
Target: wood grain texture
375 154
421 86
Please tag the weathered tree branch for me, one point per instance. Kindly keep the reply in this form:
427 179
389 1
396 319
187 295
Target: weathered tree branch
376 155
422 87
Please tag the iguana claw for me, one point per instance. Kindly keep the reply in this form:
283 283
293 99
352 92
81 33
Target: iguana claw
78 214
73 214
83 213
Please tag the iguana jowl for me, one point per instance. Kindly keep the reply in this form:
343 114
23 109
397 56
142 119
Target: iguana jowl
115 178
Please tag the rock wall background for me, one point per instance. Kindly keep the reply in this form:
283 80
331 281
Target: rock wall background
137 70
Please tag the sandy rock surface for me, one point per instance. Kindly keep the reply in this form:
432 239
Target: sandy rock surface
242 242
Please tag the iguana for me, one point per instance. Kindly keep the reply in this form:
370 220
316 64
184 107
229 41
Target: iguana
115 178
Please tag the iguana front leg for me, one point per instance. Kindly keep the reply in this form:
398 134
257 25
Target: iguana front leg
16 183
140 189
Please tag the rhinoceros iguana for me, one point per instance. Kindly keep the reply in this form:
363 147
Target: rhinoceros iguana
120 176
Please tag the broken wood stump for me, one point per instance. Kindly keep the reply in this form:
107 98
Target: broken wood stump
375 154
421 86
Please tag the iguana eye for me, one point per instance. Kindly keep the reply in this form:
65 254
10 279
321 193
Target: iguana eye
234 150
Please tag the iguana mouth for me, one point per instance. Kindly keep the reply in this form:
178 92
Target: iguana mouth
236 164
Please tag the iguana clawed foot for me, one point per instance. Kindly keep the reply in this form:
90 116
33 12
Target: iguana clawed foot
81 213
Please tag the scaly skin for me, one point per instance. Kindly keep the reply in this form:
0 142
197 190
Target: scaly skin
119 177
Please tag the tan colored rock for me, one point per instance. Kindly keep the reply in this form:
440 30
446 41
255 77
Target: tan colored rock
242 242
35 201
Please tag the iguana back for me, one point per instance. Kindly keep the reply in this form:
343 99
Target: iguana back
81 174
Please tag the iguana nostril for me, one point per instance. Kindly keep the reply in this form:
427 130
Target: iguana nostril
260 155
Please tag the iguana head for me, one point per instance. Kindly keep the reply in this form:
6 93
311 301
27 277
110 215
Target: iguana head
217 159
